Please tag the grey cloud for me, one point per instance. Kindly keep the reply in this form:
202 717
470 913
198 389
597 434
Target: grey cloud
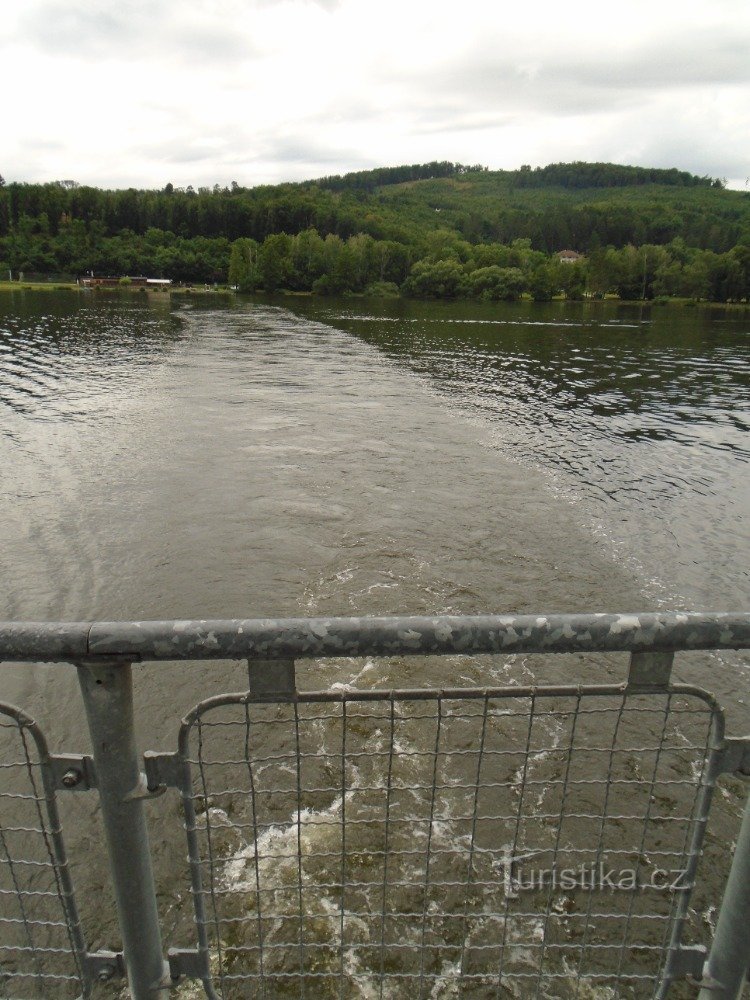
501 82
187 155
185 149
675 146
45 145
211 44
441 120
495 77
688 60
245 147
329 5
342 109
301 149
136 30
82 28
450 98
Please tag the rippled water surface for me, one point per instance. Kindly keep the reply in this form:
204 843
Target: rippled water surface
640 416
218 458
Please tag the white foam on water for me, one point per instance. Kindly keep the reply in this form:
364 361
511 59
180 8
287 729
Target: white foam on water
448 985
275 844
582 989
445 836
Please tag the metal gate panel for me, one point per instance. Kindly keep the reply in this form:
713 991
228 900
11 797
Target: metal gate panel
42 952
523 841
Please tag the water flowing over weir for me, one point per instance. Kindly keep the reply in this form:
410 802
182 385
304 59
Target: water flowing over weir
250 461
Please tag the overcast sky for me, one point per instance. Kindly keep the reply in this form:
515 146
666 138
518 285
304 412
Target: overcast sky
145 92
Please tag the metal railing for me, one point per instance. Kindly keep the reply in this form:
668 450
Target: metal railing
526 840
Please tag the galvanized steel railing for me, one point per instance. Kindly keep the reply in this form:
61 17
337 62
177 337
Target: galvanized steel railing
537 840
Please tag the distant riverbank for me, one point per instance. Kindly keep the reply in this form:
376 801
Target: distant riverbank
71 286
223 290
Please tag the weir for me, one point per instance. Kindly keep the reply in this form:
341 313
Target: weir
528 840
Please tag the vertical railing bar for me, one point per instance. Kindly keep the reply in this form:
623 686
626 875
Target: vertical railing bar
728 960
644 832
254 815
59 860
511 854
558 837
211 872
691 849
194 856
299 852
107 691
343 847
472 840
600 844
435 755
389 781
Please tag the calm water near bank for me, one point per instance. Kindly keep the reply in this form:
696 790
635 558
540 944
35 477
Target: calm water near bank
355 457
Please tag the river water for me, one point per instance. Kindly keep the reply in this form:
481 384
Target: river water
220 458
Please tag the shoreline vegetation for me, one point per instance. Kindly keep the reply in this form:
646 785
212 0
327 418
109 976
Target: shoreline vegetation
226 290
578 231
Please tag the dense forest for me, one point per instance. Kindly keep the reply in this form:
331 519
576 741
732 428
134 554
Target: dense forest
438 229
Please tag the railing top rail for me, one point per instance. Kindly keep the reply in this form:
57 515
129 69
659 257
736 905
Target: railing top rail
304 638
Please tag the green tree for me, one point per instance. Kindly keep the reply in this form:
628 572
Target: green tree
542 283
243 271
307 259
667 278
391 261
600 269
495 283
442 279
274 263
445 244
741 253
571 279
696 276
340 267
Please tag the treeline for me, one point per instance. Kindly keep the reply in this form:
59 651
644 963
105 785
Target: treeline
591 226
606 175
78 249
369 180
48 209
653 272
447 267
186 234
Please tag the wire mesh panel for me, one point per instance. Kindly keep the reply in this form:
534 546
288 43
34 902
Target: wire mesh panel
508 842
41 944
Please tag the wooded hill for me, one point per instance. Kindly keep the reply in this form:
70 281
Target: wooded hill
643 231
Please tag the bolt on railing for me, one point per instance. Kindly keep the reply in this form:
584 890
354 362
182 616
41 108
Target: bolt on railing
104 653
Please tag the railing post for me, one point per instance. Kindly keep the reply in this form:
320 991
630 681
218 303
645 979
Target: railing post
107 689
729 958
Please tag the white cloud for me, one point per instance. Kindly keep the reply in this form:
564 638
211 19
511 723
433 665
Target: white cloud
203 91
